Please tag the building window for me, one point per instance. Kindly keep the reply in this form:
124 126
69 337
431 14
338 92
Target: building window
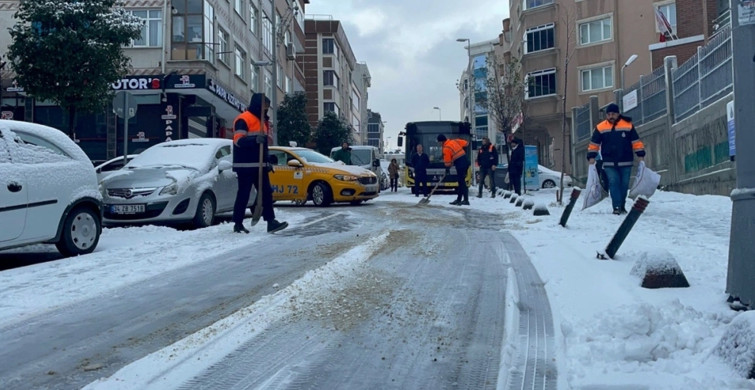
330 107
597 78
540 38
267 34
536 3
255 78
669 11
329 46
541 83
223 49
595 31
268 85
238 6
152 29
239 62
254 18
329 78
190 34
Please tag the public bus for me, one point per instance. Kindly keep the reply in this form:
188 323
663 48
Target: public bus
426 133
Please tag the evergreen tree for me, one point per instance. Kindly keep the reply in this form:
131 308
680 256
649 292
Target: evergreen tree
292 120
70 52
331 131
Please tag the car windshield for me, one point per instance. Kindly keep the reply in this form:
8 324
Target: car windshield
189 155
312 156
361 156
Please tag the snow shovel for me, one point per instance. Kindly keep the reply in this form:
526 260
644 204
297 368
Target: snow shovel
258 204
426 200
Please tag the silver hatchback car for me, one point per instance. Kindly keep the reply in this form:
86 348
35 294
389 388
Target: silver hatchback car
174 182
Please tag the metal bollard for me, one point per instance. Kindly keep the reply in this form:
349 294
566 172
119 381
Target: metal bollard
567 211
639 206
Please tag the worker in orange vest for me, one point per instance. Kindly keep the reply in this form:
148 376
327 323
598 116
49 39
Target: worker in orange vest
454 154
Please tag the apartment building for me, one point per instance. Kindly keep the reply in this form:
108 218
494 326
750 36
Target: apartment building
476 76
597 39
335 82
193 71
375 130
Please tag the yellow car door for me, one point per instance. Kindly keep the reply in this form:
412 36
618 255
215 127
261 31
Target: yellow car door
286 181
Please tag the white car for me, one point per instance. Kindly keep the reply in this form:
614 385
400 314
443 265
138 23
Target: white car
113 164
550 179
48 190
174 182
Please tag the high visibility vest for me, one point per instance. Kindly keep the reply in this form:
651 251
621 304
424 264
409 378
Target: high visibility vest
452 150
252 125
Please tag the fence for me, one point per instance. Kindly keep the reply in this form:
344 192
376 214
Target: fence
651 97
582 128
704 78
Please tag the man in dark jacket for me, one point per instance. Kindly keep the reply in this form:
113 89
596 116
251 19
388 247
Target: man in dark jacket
454 154
250 131
343 154
617 141
516 165
487 159
420 162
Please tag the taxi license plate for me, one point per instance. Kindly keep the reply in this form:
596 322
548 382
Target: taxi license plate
127 208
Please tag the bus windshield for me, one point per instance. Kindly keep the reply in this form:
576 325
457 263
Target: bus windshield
426 133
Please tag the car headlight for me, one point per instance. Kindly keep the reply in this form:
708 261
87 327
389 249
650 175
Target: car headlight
170 189
346 177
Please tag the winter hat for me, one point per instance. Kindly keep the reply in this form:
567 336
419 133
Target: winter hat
612 108
441 138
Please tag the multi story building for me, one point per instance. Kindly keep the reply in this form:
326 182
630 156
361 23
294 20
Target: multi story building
479 66
375 129
335 82
193 71
593 40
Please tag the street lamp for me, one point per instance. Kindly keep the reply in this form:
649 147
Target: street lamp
439 116
631 59
470 95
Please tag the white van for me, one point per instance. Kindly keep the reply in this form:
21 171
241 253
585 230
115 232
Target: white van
367 157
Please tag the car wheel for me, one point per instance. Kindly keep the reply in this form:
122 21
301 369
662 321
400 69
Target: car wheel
549 183
81 232
205 214
321 195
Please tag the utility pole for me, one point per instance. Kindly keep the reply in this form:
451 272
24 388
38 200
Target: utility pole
741 271
274 98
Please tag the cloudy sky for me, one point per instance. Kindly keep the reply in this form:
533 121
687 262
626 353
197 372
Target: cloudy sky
411 51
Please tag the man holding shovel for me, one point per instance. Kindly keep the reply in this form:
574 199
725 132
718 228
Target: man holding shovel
251 135
454 154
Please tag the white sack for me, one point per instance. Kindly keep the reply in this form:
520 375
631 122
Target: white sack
645 182
594 192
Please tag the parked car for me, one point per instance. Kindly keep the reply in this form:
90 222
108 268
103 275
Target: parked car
547 178
174 182
113 164
48 190
302 174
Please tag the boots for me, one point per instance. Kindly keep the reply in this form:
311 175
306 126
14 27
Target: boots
275 226
239 228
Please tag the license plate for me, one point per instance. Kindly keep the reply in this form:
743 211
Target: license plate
127 208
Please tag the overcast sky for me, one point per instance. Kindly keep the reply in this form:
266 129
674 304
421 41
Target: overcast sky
411 51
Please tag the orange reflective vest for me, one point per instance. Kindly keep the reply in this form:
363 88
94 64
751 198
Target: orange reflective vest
252 125
452 150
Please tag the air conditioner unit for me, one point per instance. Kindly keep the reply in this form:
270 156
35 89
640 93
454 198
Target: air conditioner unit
290 51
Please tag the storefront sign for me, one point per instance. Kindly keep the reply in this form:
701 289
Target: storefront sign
136 83
222 93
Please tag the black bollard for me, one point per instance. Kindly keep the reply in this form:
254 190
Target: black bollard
567 211
639 206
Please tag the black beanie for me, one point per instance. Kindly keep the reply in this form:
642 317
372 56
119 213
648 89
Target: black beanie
441 138
612 108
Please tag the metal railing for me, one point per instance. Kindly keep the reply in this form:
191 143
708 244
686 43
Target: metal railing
651 97
583 129
704 78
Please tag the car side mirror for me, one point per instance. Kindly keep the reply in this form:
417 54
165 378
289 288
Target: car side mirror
294 163
224 165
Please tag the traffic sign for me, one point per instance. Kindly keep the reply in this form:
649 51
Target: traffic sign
124 105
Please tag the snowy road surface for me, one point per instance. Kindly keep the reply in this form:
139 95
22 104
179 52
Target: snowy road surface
342 299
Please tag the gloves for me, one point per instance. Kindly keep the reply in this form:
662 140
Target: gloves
261 139
448 171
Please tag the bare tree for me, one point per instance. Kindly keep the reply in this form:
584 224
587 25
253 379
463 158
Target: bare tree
569 30
504 94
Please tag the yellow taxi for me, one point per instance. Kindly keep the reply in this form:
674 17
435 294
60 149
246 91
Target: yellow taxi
302 174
